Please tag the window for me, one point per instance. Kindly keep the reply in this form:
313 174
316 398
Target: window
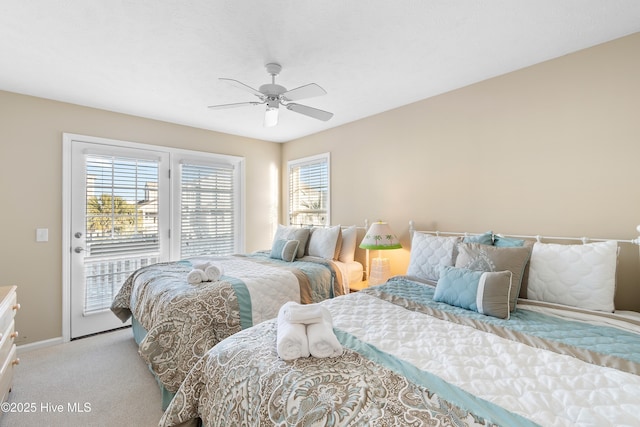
207 225
309 190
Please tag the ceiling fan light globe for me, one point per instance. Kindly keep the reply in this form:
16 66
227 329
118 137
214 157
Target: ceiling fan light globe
271 116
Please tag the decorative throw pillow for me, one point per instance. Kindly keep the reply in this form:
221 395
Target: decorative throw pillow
577 275
429 253
323 242
293 233
484 238
348 248
507 242
481 291
475 256
285 250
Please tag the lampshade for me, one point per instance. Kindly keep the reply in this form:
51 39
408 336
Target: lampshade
380 237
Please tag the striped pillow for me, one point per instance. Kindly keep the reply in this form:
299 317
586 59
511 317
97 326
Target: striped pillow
285 250
485 292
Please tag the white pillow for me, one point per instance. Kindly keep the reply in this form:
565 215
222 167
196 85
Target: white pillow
429 253
323 242
348 248
577 275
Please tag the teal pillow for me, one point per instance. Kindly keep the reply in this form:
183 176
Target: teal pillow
507 242
457 286
485 292
484 238
285 250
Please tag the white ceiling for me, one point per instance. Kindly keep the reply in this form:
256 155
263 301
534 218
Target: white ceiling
161 59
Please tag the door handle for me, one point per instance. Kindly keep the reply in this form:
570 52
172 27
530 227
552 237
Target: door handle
78 249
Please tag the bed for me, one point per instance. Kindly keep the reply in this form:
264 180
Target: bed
450 343
175 322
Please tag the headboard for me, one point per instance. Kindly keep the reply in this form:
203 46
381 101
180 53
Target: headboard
627 280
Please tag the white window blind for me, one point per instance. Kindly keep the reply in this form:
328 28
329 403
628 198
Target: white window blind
309 191
121 231
207 210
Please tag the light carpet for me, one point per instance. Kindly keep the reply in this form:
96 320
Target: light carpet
96 381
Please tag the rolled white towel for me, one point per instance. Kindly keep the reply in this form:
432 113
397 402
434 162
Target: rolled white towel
322 341
196 276
214 272
200 265
291 339
302 313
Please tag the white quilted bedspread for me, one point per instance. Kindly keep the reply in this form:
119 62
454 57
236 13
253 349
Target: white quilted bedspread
269 285
545 387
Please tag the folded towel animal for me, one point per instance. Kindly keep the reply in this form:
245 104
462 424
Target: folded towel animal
196 276
322 341
214 272
291 339
302 313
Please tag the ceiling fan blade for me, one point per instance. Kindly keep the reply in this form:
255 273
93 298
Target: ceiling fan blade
306 91
310 111
234 105
243 86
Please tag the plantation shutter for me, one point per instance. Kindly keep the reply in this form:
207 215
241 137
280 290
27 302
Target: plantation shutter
309 191
207 210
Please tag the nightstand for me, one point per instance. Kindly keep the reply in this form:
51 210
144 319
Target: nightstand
355 287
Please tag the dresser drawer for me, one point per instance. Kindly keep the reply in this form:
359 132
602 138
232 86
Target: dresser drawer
8 309
6 374
8 338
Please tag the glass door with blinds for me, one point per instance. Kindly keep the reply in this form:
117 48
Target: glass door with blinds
128 205
119 223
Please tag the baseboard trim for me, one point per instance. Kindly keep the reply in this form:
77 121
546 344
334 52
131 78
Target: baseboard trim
38 345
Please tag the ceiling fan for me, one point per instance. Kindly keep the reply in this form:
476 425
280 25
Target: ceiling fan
273 96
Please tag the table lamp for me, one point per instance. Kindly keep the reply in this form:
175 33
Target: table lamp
380 237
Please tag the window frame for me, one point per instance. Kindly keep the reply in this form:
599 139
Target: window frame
207 159
324 158
170 227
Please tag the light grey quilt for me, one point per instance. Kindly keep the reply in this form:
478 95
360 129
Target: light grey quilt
183 321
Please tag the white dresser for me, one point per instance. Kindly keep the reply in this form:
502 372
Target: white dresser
8 308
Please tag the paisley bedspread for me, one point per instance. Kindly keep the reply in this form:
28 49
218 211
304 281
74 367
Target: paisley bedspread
183 321
414 362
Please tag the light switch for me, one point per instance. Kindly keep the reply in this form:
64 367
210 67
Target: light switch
42 234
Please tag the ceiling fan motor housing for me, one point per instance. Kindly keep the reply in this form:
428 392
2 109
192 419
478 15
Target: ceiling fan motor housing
272 89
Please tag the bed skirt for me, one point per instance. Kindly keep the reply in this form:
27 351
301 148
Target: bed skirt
138 335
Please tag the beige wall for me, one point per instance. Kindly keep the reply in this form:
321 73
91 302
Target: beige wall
31 189
553 149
